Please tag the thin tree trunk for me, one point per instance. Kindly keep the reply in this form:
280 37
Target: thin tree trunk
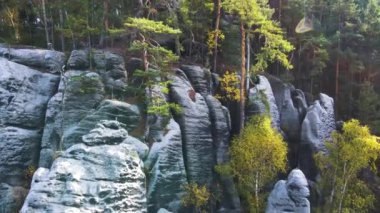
106 4
248 64
280 11
337 69
13 17
332 193
217 6
46 24
257 191
62 37
243 76
52 32
344 187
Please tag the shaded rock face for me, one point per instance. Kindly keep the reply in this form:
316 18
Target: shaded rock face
290 195
306 127
205 126
317 127
24 94
199 77
292 107
221 127
105 174
167 172
165 163
195 124
261 100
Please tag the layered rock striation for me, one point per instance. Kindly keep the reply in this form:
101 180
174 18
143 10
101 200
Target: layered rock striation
98 152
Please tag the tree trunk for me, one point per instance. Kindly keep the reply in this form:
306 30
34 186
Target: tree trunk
52 32
257 191
344 187
62 37
217 8
337 69
242 77
248 64
106 4
45 23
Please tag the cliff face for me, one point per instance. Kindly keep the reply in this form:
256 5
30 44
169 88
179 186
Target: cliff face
95 150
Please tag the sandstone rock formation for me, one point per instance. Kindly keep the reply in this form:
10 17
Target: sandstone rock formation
290 195
24 94
105 174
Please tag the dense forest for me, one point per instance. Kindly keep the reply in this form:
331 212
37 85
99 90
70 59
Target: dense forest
335 42
319 46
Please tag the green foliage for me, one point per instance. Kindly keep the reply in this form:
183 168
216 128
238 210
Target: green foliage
84 84
257 155
211 44
275 47
29 172
368 105
348 152
229 83
158 56
158 105
195 196
149 26
257 14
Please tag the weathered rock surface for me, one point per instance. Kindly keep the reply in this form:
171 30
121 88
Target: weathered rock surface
165 162
221 127
290 195
79 60
81 102
11 197
199 77
24 94
110 66
195 124
166 168
261 100
104 176
47 60
317 127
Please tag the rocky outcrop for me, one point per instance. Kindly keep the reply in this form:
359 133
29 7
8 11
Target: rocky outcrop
292 106
167 172
110 66
200 78
290 195
221 127
261 100
317 127
78 132
47 60
306 128
82 101
24 94
103 174
165 162
195 124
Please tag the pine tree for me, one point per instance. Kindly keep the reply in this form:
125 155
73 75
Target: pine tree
255 16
